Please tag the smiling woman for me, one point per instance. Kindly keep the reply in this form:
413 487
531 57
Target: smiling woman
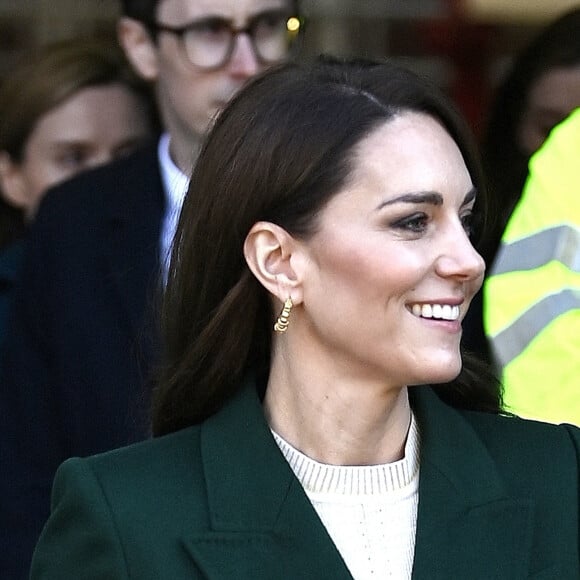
313 419
391 240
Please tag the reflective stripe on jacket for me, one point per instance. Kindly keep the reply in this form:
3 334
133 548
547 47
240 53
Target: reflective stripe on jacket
532 295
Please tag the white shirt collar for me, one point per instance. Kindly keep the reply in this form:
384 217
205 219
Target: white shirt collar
175 184
175 181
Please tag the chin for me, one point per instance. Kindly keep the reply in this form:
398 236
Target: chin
442 369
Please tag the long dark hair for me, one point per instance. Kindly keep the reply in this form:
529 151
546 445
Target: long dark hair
279 152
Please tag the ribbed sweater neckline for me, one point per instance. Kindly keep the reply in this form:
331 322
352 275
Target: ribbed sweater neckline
348 480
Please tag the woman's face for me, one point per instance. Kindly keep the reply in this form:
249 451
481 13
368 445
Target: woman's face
391 270
92 127
552 98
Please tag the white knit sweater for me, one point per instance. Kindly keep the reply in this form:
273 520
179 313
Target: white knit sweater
370 512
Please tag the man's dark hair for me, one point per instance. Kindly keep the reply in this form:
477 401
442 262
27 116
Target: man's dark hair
143 10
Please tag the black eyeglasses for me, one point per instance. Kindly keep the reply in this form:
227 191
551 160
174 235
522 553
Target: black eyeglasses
209 43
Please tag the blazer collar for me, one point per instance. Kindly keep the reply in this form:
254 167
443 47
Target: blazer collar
254 498
467 527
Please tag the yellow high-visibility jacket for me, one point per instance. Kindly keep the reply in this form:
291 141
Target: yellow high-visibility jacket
532 295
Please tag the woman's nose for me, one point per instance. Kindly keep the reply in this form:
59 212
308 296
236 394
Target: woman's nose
460 259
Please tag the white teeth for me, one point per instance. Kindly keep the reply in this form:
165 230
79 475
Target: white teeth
439 311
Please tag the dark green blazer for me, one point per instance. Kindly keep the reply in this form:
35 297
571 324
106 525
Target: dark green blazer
498 499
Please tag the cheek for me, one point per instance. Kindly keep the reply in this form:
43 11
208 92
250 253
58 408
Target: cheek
195 106
473 288
42 173
51 174
368 270
346 265
41 170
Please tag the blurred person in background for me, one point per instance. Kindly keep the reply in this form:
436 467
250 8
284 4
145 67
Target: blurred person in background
67 107
538 91
83 337
532 291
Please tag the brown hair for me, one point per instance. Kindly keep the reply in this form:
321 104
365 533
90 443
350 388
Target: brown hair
41 82
279 152
50 76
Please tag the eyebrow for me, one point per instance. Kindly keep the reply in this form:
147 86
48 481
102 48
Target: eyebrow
429 197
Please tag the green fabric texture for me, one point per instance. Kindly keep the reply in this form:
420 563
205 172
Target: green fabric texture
498 499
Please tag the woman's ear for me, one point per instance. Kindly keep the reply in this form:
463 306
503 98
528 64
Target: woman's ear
139 47
270 253
12 183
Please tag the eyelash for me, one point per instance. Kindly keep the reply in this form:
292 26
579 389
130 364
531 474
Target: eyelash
417 223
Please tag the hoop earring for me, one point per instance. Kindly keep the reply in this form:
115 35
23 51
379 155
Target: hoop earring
282 321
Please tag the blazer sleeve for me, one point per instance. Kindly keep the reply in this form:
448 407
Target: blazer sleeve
80 539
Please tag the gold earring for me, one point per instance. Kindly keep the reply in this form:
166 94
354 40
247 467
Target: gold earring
282 320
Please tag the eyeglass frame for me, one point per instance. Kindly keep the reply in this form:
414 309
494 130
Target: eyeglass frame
179 31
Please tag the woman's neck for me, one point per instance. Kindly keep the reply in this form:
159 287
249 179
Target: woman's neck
337 420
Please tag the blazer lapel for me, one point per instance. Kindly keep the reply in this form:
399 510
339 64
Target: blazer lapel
467 525
262 523
133 217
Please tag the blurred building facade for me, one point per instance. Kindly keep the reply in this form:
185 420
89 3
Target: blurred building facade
463 44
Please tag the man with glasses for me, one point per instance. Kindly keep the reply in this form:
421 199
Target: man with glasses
80 352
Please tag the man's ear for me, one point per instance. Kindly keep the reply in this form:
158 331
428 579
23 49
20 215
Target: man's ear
272 255
139 47
12 183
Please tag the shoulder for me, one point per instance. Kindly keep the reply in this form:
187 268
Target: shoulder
134 504
497 427
151 478
164 458
527 455
531 447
